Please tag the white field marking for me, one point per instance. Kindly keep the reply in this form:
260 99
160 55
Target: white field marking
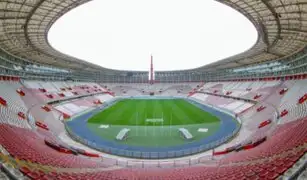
104 126
202 130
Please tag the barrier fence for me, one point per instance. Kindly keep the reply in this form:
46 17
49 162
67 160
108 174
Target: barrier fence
150 155
154 155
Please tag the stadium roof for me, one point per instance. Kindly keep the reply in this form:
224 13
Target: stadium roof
24 25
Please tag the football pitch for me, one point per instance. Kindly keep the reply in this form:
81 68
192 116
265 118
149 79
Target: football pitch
153 122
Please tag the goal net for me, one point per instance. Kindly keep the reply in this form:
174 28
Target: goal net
154 120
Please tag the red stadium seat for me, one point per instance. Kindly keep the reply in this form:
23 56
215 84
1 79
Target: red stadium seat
26 144
46 108
49 95
257 96
41 125
302 99
21 115
90 154
228 93
284 113
97 102
215 153
61 94
3 101
260 108
256 157
43 90
283 91
265 123
66 116
20 92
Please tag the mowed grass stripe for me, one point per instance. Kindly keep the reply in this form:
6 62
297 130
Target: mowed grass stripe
127 114
136 111
158 109
198 113
120 111
112 114
177 114
119 107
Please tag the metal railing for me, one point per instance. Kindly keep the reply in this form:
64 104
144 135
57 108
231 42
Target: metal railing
150 155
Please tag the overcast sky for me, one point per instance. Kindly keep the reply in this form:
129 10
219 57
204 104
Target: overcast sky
180 34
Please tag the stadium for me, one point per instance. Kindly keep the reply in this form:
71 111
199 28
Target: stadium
242 117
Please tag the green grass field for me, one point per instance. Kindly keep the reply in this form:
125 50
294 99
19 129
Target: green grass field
135 111
138 114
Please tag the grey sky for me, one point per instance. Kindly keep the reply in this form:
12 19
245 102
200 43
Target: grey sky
181 34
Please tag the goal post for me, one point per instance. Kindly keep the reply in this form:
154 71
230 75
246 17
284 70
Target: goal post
154 120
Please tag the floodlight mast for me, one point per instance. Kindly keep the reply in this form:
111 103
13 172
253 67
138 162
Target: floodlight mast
151 80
